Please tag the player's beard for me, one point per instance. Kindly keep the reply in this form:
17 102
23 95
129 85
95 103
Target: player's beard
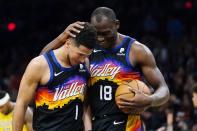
112 40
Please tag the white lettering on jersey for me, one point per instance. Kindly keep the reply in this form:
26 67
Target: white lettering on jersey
68 91
106 70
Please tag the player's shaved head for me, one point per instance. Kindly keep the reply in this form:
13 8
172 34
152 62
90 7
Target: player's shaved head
100 12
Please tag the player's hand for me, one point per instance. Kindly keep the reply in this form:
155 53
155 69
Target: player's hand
139 103
72 30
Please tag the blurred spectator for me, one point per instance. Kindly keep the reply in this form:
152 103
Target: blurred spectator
6 113
174 28
150 24
194 98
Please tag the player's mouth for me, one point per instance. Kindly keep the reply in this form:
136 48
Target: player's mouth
102 43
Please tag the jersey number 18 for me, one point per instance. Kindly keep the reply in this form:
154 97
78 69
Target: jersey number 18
105 93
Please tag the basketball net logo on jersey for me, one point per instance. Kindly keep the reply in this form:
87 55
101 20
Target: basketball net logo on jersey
81 68
68 91
121 52
103 71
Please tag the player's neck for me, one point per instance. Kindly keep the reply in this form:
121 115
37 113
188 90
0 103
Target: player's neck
11 108
61 55
119 39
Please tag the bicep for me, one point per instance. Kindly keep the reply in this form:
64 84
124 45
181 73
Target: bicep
153 76
148 66
29 83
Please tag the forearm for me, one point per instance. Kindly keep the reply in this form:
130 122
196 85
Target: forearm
70 31
87 119
169 127
18 117
29 119
160 96
29 126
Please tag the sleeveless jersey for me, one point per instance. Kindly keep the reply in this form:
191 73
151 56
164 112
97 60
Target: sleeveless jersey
6 122
108 69
59 103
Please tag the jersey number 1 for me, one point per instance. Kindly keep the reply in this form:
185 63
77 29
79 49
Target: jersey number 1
105 93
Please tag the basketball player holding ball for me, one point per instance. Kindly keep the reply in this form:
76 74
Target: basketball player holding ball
116 59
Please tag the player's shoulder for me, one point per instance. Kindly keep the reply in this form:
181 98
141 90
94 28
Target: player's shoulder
38 62
140 48
35 70
141 52
37 65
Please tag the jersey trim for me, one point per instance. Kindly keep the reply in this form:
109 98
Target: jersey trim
128 51
50 68
58 64
87 69
115 49
121 44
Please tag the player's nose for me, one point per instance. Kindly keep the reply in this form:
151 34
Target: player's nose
82 60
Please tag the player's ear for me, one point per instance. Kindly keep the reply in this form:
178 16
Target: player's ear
117 24
68 42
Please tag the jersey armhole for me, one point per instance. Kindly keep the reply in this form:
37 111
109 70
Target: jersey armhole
87 66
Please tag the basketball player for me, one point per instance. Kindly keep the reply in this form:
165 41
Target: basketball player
118 58
6 113
57 81
194 98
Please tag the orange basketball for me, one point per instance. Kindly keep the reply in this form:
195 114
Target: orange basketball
124 92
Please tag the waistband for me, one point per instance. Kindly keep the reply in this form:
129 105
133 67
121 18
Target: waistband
124 116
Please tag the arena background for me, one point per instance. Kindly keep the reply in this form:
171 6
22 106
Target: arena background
167 27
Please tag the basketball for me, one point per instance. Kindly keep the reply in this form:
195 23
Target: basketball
123 91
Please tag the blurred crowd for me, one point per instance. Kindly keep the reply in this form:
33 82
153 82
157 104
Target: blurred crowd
167 27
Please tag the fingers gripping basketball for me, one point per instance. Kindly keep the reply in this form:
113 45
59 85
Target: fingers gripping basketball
127 91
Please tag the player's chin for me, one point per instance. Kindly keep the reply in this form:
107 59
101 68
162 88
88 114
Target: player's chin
104 45
75 63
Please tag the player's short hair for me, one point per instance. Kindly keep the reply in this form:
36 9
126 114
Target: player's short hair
99 12
87 37
194 87
2 94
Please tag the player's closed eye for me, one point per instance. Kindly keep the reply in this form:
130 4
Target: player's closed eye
83 55
106 33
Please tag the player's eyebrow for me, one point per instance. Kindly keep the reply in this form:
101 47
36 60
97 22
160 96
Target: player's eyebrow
82 53
107 31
